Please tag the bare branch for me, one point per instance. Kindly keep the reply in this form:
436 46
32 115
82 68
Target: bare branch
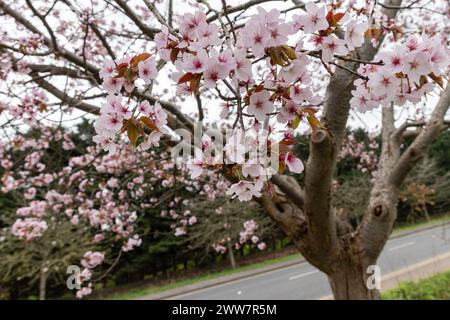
241 7
148 31
70 101
199 107
399 133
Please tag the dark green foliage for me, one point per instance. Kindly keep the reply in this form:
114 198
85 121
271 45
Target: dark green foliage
434 288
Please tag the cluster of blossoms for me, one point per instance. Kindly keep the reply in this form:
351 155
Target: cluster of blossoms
276 98
248 234
47 192
89 262
30 105
28 228
118 117
366 155
181 221
262 70
408 72
89 193
30 43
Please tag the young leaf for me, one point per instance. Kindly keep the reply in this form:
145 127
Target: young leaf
185 78
140 57
437 79
174 54
295 122
132 131
148 122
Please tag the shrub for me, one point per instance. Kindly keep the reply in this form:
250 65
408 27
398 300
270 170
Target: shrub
434 288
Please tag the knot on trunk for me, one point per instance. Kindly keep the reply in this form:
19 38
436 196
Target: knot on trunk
380 210
319 135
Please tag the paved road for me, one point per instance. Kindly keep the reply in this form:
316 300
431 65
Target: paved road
303 281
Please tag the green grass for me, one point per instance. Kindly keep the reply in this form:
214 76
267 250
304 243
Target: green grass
409 227
132 294
434 288
136 293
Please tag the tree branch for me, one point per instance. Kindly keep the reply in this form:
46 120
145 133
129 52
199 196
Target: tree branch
325 144
290 187
148 31
381 212
70 101
416 150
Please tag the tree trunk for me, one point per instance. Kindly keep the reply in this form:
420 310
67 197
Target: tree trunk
43 285
231 255
350 282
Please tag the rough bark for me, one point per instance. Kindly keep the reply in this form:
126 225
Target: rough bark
349 281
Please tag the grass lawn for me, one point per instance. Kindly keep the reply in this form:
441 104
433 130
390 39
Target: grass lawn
409 227
139 292
433 288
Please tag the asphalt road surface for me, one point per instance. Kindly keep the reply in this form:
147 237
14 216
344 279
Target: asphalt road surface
303 281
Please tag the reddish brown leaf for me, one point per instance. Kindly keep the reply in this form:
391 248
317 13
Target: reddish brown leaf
174 54
140 57
148 122
311 117
185 78
194 84
437 79
329 17
132 131
259 88
338 16
121 68
289 52
287 141
373 33
281 167
42 107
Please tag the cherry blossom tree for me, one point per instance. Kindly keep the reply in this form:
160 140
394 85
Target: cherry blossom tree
223 226
67 201
140 65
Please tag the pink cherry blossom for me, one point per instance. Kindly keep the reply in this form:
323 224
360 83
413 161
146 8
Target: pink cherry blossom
196 167
393 60
416 64
213 73
354 34
314 20
384 82
28 228
260 105
256 38
147 70
333 45
243 190
108 69
288 112
195 63
112 84
92 259
362 99
252 168
243 66
293 163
